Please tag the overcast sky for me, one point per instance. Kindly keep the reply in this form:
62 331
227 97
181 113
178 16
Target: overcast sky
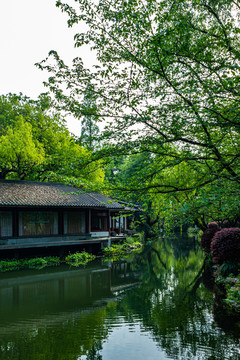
29 30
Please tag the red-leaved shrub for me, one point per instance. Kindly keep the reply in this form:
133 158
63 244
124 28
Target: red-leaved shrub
225 224
213 225
207 237
225 246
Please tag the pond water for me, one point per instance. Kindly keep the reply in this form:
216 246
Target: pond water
154 305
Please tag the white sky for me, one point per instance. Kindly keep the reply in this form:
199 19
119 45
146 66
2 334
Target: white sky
29 29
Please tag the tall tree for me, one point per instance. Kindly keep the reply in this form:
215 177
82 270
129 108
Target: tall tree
167 80
89 127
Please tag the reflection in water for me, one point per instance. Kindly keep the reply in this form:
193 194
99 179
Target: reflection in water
152 306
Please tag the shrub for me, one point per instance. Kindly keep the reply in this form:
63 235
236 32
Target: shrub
233 296
228 268
225 224
225 246
207 237
213 225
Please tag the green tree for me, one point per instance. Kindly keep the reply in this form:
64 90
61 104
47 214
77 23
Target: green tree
89 127
18 150
36 145
167 81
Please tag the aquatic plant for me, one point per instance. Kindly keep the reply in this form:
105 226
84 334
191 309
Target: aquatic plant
41 262
122 249
9 265
34 263
79 258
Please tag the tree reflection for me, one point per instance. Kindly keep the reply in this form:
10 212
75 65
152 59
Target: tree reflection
70 339
174 304
171 304
93 353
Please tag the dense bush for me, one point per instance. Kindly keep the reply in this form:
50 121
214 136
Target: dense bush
225 224
225 246
208 236
213 225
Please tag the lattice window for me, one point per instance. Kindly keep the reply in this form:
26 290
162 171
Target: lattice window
74 222
6 223
36 223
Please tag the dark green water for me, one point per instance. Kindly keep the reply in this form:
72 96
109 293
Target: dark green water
152 306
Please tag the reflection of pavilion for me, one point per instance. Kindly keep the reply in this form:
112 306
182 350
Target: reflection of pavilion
35 214
49 297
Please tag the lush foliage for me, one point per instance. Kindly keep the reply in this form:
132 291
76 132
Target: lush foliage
167 82
225 246
36 145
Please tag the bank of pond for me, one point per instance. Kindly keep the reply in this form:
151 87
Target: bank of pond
115 251
221 245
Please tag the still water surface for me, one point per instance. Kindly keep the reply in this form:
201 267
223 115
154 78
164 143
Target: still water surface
154 305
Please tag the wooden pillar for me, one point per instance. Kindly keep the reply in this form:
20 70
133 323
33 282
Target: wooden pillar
15 230
89 226
109 223
60 223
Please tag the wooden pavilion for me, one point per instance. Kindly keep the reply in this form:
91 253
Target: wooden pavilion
36 214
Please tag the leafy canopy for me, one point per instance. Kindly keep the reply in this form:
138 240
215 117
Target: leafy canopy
36 145
167 82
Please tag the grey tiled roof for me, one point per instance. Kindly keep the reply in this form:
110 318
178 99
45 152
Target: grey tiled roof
32 193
